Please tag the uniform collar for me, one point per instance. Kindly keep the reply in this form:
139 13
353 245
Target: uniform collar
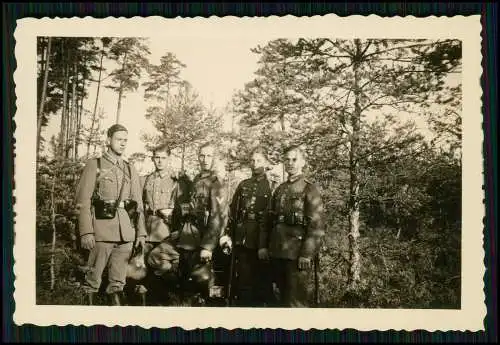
161 174
259 177
113 158
295 178
205 174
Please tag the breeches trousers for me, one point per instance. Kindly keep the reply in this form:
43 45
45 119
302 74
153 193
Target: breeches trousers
114 256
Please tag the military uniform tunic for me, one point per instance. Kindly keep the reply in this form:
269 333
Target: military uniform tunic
159 193
247 223
207 211
114 237
249 212
200 228
296 231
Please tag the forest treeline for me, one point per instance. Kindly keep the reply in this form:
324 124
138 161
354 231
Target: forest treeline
380 121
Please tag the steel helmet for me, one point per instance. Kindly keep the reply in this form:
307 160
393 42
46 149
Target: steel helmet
202 273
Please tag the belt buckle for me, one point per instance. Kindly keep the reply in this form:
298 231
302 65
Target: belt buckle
216 291
185 208
251 216
281 219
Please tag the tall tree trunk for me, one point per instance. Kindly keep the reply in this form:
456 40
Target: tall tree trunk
119 108
282 115
68 123
62 132
42 72
74 115
120 92
183 156
354 185
167 96
54 236
97 131
42 98
91 133
79 122
94 113
282 123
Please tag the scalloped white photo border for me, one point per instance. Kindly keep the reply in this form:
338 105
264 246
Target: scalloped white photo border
473 309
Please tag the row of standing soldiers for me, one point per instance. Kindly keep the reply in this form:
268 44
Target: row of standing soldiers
262 244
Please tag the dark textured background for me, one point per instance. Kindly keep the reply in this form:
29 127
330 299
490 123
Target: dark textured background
11 12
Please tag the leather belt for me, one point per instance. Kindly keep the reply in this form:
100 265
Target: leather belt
291 219
249 216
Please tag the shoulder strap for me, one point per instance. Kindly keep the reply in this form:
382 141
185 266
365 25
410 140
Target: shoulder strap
129 170
120 195
130 175
97 173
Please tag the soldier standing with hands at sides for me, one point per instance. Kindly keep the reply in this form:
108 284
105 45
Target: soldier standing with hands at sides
202 227
296 230
111 216
248 217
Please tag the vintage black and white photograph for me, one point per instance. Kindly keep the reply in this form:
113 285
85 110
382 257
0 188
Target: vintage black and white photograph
249 171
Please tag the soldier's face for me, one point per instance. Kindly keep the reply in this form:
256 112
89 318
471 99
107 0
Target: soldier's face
206 158
294 162
258 161
160 160
118 142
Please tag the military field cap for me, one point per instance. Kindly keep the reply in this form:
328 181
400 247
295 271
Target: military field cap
260 149
116 128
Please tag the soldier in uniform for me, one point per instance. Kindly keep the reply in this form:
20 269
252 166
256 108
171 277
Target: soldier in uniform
202 228
296 230
111 216
248 217
160 193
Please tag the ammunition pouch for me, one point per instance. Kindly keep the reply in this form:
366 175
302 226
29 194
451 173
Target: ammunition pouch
198 217
249 216
185 209
292 219
104 209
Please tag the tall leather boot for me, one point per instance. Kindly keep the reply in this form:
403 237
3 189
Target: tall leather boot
142 299
140 292
89 298
116 298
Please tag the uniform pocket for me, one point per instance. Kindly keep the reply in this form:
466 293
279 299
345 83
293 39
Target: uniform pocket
107 186
298 203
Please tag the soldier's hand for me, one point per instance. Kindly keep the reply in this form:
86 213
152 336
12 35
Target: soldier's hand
225 242
88 241
205 255
304 263
141 241
263 254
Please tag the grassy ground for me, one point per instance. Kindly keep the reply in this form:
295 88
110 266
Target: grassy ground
421 272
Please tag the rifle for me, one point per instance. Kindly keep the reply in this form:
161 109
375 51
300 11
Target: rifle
231 265
316 280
